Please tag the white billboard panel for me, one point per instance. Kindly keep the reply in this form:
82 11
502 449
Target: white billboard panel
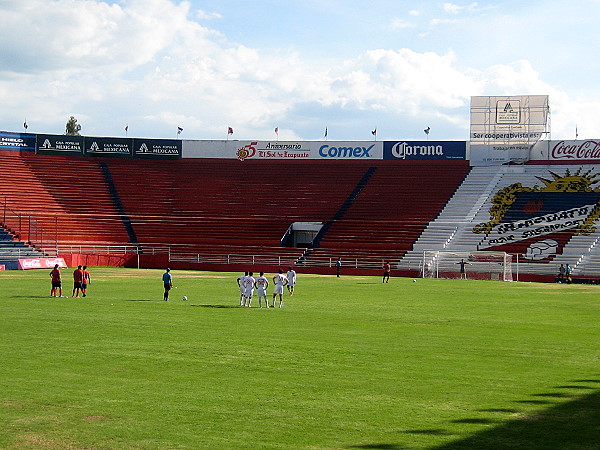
521 119
284 150
504 128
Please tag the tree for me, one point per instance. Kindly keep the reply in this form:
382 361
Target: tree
73 128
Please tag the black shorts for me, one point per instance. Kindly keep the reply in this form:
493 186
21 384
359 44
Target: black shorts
83 285
56 284
167 287
77 285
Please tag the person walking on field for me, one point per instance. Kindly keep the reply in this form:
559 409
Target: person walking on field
168 283
338 266
386 272
56 282
291 276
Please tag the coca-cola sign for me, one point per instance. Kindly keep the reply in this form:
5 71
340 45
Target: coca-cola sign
576 150
40 263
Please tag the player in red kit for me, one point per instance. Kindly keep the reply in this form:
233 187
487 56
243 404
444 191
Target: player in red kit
77 281
56 281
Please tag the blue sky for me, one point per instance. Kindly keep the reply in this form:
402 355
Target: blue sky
351 66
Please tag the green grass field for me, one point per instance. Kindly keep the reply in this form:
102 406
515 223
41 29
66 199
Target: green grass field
348 363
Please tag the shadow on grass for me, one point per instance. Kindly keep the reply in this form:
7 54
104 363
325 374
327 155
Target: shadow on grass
217 306
572 424
379 446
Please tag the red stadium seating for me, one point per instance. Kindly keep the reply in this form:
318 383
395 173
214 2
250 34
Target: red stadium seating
211 207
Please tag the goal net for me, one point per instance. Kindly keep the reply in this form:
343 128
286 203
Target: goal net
475 265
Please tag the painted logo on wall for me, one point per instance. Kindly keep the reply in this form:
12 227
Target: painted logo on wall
537 222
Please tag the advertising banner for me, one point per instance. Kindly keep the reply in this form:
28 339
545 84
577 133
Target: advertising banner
56 144
483 154
40 263
157 148
2 267
504 129
567 151
411 150
284 150
109 147
21 142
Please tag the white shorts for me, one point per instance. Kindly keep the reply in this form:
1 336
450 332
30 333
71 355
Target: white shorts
278 289
249 292
262 292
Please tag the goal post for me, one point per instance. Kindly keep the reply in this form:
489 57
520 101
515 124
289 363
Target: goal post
477 265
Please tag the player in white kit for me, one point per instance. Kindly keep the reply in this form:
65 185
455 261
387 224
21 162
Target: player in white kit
240 282
280 281
261 285
249 284
291 276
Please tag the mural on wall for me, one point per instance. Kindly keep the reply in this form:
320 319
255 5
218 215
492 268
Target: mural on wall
537 222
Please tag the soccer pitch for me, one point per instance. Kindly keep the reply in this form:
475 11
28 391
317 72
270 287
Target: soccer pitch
347 363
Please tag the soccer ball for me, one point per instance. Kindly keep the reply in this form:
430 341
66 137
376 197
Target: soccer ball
414 281
184 298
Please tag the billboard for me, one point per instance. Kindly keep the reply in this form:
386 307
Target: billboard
567 151
40 263
109 147
57 144
157 148
411 150
504 128
284 150
21 142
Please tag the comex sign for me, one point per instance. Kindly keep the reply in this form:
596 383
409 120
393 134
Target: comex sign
327 151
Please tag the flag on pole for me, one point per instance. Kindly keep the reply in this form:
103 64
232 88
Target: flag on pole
374 132
277 130
230 130
427 130
25 124
126 128
325 131
179 130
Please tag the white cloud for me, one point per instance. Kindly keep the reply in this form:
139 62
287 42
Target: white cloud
398 24
204 15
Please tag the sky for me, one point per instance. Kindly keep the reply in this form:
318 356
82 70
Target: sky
301 66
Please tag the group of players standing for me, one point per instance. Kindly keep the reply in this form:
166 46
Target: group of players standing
247 283
81 279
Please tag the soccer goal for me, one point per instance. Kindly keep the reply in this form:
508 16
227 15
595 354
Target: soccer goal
476 265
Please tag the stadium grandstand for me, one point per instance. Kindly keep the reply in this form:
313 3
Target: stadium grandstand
251 205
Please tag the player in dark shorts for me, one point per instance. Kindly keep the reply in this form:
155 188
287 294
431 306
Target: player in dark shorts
168 282
56 282
386 272
77 281
87 279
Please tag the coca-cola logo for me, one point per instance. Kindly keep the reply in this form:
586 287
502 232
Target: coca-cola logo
41 263
31 264
584 150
